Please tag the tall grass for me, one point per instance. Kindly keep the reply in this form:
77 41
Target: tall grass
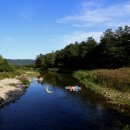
8 74
114 85
118 78
19 71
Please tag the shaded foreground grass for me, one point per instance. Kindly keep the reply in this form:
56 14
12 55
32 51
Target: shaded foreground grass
112 84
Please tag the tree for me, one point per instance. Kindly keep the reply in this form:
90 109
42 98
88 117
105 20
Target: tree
4 66
50 59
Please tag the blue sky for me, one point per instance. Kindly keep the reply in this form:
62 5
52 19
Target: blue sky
31 27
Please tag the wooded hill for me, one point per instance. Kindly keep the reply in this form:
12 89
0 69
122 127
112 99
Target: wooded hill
21 61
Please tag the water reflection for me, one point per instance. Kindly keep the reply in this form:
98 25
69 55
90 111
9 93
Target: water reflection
54 80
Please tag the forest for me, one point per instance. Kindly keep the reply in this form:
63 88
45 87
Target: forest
113 51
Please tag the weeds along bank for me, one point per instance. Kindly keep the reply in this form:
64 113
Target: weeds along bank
112 84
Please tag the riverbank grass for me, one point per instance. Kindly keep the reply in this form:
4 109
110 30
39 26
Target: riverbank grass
29 72
23 74
114 89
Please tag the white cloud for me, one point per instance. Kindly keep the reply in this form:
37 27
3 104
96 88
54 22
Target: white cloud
93 13
80 36
62 41
82 25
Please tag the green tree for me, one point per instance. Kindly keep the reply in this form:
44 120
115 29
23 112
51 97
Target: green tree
4 66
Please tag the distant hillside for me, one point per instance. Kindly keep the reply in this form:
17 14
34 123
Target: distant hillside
21 61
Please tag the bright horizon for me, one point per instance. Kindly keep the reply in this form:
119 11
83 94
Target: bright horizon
31 27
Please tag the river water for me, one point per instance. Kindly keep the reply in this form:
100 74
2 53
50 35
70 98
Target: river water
61 110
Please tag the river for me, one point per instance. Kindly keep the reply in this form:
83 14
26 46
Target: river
60 110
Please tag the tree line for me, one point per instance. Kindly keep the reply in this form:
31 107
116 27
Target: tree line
113 51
